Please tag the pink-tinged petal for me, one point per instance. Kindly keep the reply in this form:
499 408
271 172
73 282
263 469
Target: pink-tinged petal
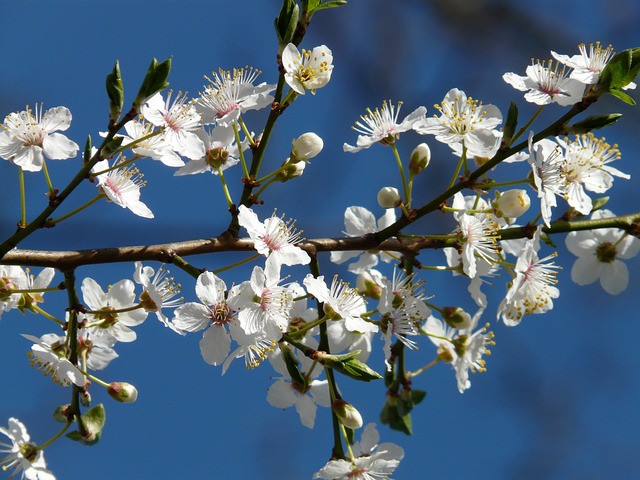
586 270
215 345
615 277
281 395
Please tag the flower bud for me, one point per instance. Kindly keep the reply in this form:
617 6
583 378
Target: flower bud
123 392
291 170
347 414
368 284
306 146
389 197
456 317
419 159
511 204
85 398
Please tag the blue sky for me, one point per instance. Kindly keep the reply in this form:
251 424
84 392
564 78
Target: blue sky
559 397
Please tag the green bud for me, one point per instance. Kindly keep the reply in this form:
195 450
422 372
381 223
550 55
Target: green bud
292 363
115 91
348 365
154 81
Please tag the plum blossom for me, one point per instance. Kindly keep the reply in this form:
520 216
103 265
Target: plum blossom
155 147
340 302
21 455
307 70
588 65
600 253
122 187
547 164
371 459
285 393
178 119
533 289
381 125
464 121
16 278
273 238
50 358
230 93
213 313
546 84
402 309
463 349
359 221
29 136
111 314
587 163
263 305
159 292
254 347
220 152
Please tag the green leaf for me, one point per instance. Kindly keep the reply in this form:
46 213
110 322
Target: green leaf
418 396
115 91
622 69
93 422
154 81
331 4
623 96
291 362
510 124
593 122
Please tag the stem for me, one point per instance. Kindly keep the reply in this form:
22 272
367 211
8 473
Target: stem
405 188
45 170
426 367
240 152
42 446
23 201
463 158
37 309
528 124
311 325
181 263
225 189
77 210
241 262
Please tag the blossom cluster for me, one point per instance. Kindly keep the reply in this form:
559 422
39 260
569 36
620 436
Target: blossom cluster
268 317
